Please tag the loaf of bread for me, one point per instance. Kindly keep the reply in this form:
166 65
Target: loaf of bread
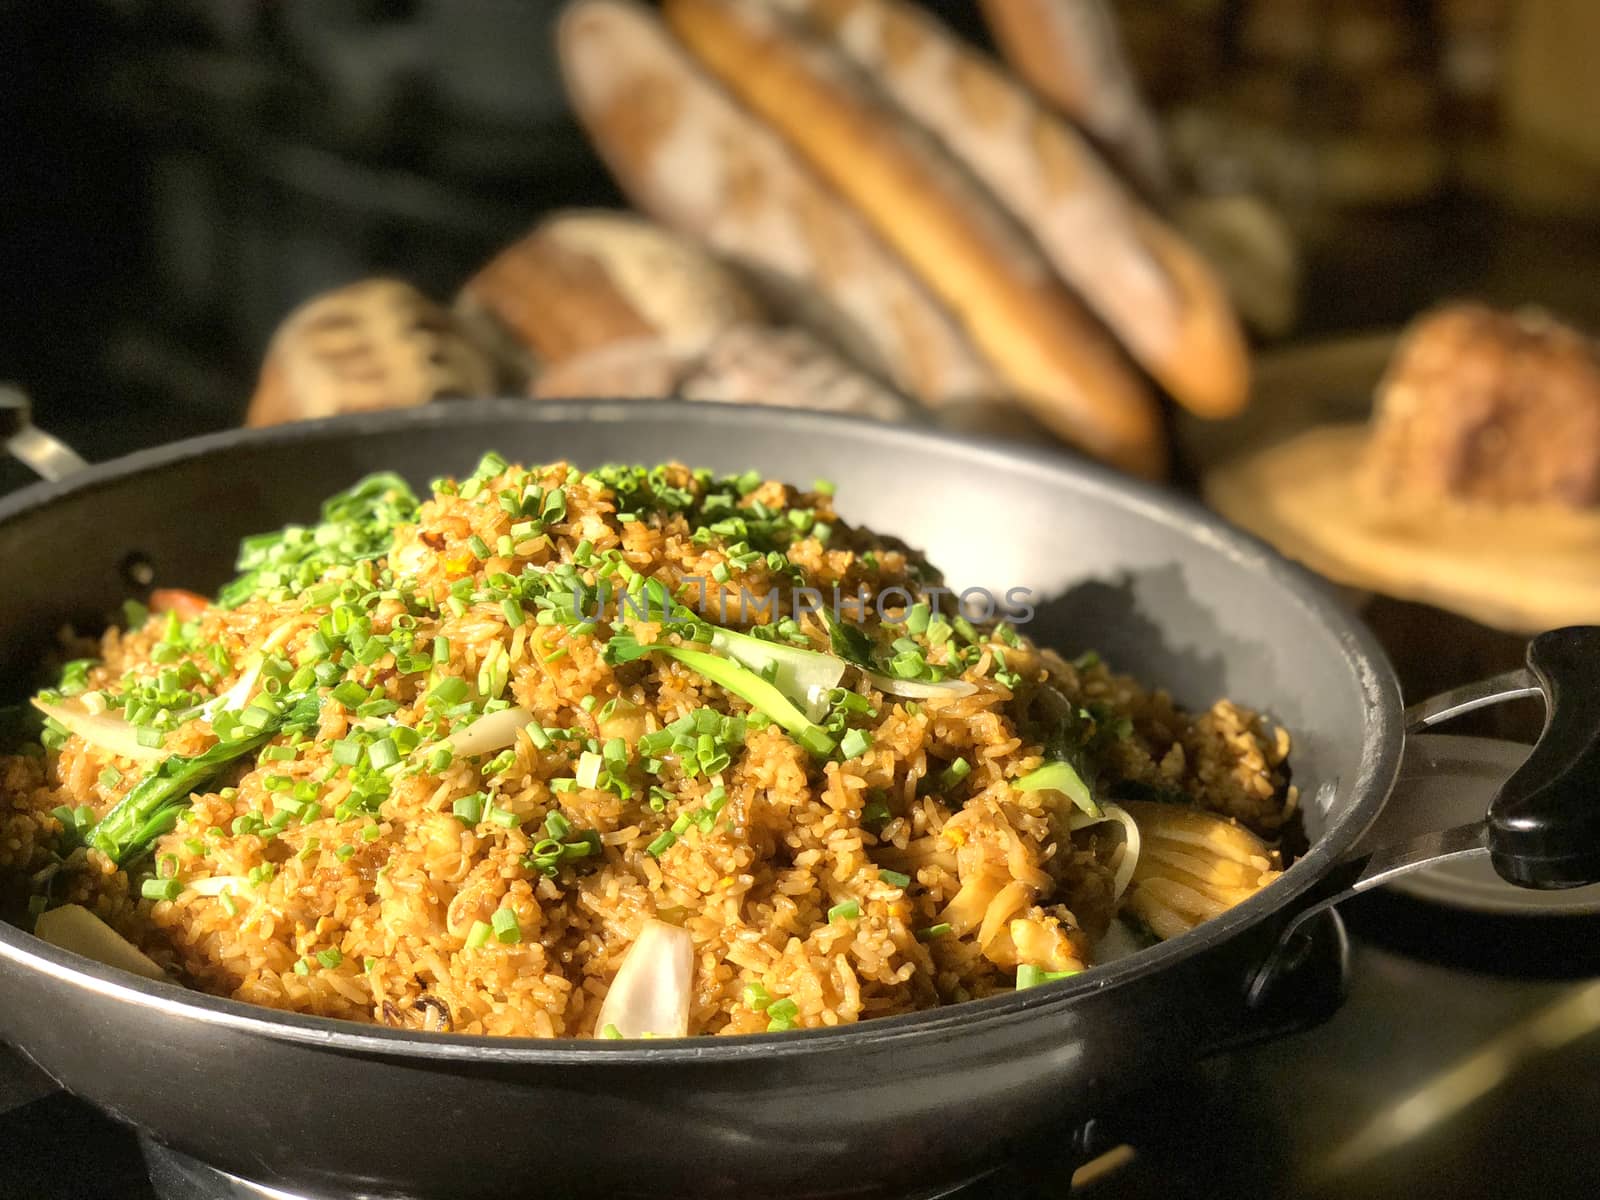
742 364
372 345
1035 333
685 153
1490 407
1161 299
1069 52
582 280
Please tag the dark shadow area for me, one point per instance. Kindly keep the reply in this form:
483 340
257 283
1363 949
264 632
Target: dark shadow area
1150 625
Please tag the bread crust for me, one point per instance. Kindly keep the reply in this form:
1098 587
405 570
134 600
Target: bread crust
1158 296
1068 52
584 279
1032 330
687 154
372 345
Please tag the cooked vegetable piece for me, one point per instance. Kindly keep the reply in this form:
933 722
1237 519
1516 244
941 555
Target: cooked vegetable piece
650 995
1194 865
157 799
1063 777
75 928
110 733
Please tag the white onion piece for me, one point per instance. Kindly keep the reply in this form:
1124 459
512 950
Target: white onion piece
1131 843
804 676
651 992
75 928
215 885
237 696
920 689
105 732
493 732
244 687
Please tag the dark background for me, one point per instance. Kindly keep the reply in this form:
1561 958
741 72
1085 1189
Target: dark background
179 175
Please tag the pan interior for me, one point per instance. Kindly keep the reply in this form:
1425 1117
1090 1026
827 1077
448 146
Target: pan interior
1160 589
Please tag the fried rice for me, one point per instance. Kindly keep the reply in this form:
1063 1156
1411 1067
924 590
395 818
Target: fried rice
832 854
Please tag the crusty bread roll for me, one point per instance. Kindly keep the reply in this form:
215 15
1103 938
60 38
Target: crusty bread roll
582 280
1489 407
688 155
742 364
967 251
1160 298
1069 52
372 345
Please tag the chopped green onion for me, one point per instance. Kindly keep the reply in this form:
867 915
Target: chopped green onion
161 889
850 910
855 743
588 772
450 690
470 808
894 878
954 773
478 934
756 997
383 753
331 957
1029 976
781 1015
933 932
505 926
1059 776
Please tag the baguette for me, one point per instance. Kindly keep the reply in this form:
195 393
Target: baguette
1160 298
1068 51
582 280
685 153
742 364
372 345
1043 343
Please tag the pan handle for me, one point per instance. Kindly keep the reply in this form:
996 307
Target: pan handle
1542 829
50 457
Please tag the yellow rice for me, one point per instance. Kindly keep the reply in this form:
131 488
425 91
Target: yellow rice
754 892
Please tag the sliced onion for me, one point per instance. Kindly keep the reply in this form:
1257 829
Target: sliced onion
215 885
804 676
493 732
1130 845
103 731
920 689
651 992
239 695
75 928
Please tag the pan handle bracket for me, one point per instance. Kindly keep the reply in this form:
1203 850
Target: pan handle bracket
1542 829
49 457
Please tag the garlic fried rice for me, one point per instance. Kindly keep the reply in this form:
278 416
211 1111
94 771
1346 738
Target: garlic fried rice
556 752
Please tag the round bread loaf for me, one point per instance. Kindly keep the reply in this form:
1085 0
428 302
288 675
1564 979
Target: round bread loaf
371 345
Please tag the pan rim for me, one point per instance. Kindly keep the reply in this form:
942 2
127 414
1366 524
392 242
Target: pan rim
1362 657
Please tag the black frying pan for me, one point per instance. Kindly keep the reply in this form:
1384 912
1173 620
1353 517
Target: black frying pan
1161 588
